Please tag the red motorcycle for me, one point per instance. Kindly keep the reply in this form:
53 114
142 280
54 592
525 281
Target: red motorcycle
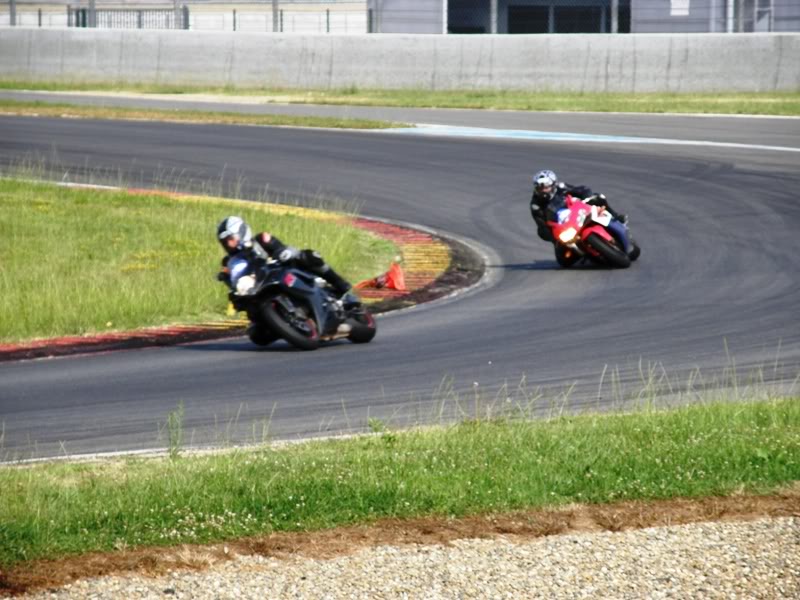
585 231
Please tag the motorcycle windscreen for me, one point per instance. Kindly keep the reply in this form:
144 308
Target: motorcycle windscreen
241 275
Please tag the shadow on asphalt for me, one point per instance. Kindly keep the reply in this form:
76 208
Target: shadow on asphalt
242 345
229 345
540 265
545 265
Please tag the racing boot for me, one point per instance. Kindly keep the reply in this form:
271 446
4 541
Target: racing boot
621 217
603 201
342 288
349 300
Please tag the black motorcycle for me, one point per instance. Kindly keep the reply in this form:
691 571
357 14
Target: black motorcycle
284 302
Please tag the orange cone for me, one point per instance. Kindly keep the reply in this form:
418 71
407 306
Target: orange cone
394 279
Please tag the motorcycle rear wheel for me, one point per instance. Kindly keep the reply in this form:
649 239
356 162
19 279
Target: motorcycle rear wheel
608 251
635 252
363 328
298 329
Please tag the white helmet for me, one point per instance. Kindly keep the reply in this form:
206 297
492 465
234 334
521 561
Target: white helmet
234 227
545 183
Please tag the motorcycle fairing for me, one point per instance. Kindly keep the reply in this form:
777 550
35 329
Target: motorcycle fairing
304 287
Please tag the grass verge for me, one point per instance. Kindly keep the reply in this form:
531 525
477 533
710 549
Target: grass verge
58 509
46 109
762 103
78 261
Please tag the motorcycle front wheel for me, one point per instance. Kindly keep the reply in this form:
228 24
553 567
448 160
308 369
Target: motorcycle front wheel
296 328
260 335
608 251
566 257
363 327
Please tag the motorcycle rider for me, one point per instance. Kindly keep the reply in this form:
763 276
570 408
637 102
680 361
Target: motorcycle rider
236 236
546 187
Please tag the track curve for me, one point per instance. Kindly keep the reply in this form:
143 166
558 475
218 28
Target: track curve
717 285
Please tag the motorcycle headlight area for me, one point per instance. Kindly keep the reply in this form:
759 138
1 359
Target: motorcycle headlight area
567 235
245 284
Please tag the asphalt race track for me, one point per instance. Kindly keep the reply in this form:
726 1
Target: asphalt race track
717 287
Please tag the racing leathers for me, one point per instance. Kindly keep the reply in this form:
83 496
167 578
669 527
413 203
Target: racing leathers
266 246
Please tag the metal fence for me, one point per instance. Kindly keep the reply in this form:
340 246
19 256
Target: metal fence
278 16
122 18
284 20
412 16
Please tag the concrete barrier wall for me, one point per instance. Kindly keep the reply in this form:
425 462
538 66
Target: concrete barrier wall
578 63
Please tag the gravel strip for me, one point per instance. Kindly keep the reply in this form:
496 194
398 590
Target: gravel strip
756 559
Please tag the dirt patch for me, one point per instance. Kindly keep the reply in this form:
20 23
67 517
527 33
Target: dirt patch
47 574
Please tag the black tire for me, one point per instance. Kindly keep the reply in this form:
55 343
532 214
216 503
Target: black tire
609 251
635 252
299 330
363 326
260 335
566 261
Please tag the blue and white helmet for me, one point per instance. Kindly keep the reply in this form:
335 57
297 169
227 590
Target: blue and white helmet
234 227
545 183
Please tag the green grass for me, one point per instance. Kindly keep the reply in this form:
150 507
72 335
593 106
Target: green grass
77 261
47 109
762 103
56 509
